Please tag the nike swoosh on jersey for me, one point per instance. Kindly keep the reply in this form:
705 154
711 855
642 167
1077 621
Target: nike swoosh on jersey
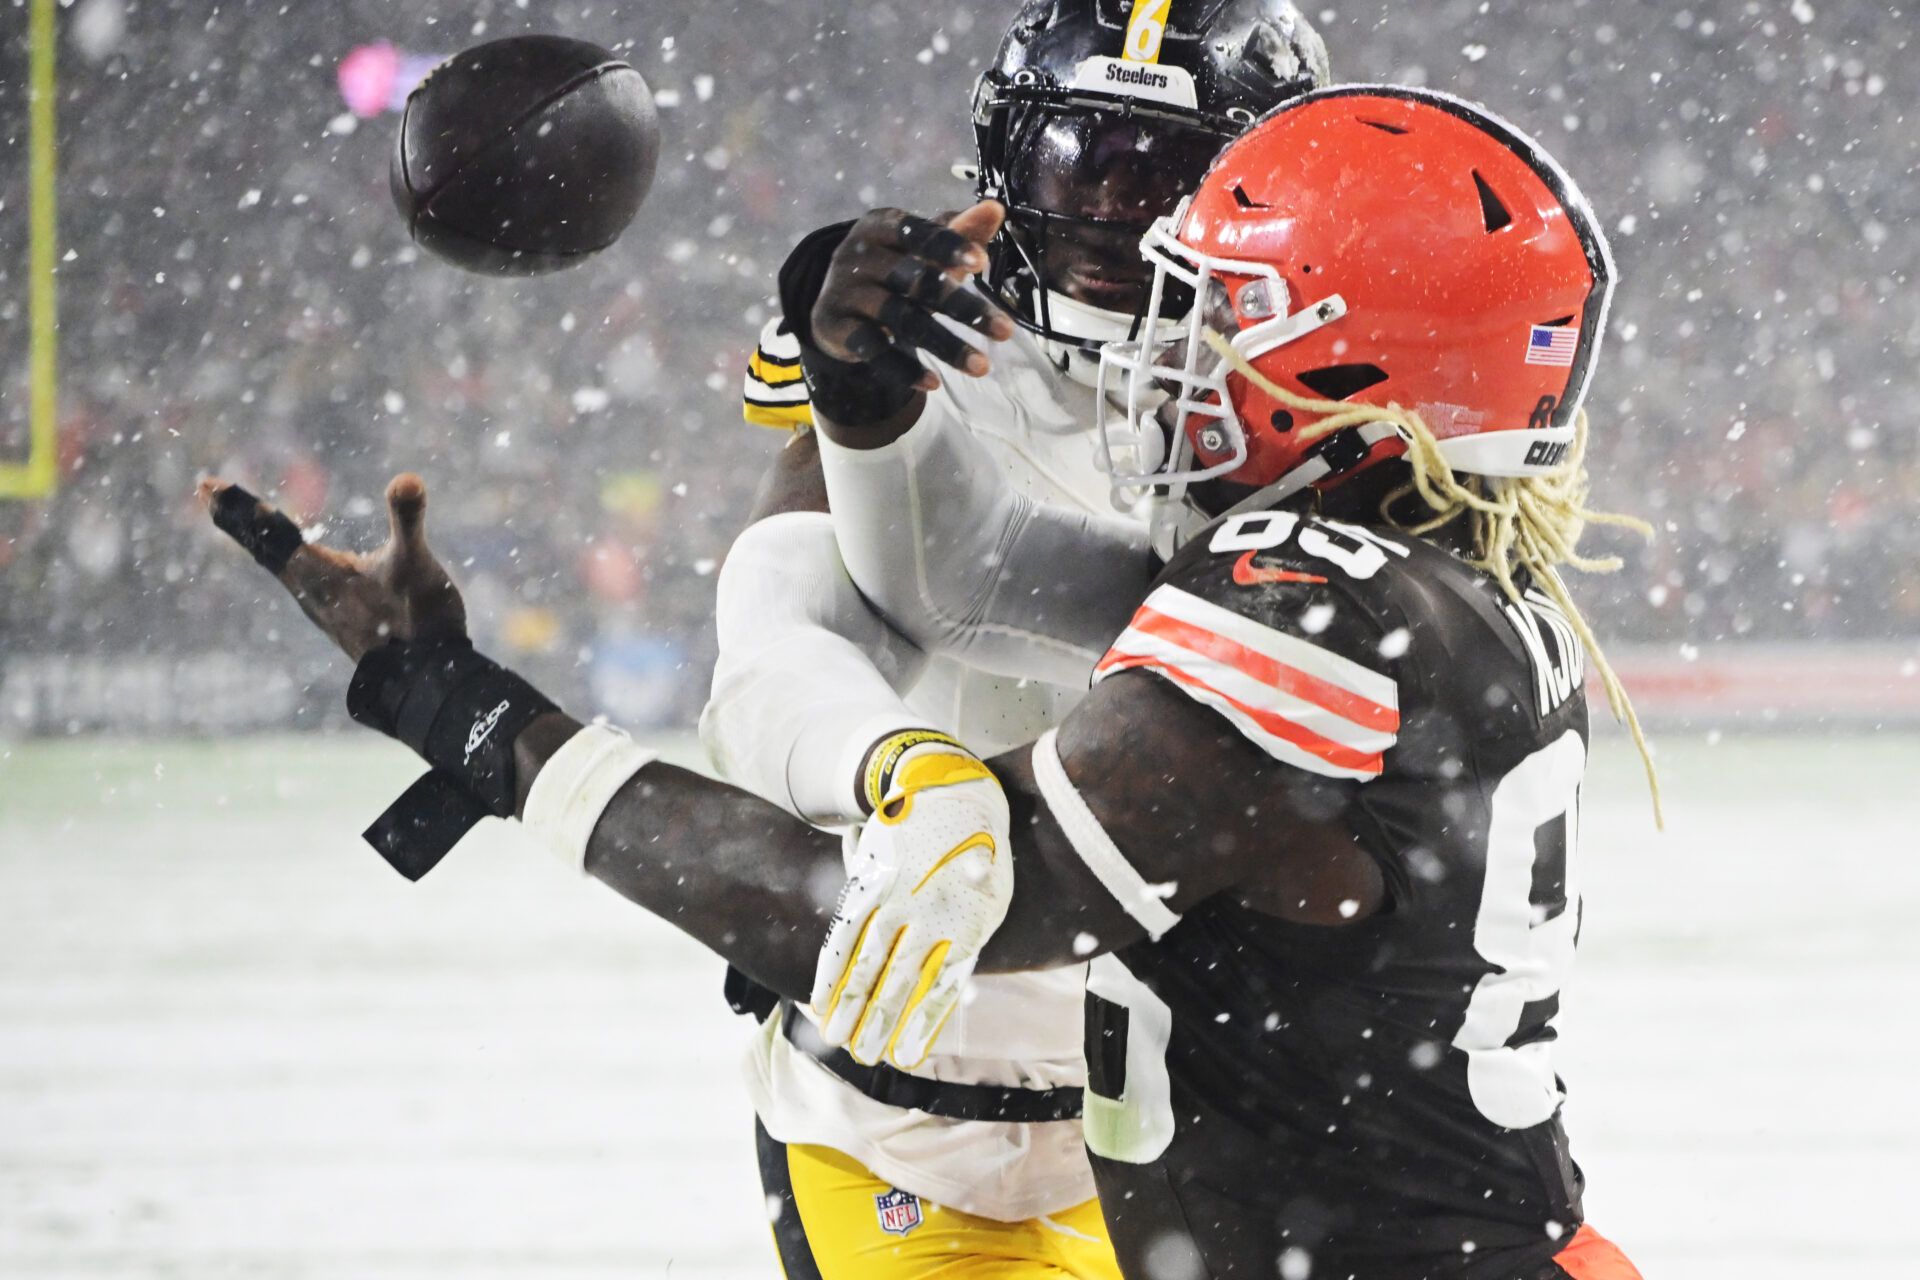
1249 574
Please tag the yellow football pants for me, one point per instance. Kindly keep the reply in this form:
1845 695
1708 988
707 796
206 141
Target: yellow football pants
836 1221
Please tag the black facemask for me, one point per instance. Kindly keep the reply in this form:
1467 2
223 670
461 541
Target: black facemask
1082 186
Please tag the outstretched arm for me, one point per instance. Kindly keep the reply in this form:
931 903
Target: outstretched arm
1191 808
735 872
1144 805
746 879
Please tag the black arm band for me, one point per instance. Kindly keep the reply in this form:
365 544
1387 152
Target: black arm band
460 712
268 536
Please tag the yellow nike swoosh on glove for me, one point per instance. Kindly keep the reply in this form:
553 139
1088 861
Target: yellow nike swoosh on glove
979 840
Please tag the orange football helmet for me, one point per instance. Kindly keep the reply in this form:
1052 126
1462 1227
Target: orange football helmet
1369 245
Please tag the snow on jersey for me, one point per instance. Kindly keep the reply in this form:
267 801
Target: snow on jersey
1258 629
1376 1101
1302 704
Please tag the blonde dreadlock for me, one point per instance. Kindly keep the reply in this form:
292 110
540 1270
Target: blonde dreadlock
1530 522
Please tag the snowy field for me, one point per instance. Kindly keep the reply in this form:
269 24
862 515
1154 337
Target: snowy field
233 1044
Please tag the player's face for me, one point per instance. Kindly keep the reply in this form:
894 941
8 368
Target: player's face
1104 179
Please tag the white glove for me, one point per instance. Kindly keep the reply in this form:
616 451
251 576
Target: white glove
931 879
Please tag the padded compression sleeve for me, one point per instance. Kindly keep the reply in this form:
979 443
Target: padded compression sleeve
571 792
807 675
962 564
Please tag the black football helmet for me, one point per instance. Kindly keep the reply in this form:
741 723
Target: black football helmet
1099 116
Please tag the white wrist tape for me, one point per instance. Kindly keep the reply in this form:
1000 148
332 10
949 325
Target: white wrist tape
575 787
1095 847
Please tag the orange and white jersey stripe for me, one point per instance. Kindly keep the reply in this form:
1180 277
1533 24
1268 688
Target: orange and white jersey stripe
1302 704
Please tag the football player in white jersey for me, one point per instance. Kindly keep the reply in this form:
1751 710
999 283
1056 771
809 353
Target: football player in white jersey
884 1150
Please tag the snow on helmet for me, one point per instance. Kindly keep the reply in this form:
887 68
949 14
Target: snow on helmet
1370 246
1123 103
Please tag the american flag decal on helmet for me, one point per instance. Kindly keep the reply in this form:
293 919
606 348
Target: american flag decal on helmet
1551 345
1303 705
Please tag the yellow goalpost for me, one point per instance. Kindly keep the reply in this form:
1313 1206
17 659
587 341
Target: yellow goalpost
35 478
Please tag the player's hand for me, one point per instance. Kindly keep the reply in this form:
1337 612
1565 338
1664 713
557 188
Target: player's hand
360 601
892 279
931 880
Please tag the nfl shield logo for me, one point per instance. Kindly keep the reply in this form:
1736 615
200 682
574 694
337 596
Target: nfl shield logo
899 1211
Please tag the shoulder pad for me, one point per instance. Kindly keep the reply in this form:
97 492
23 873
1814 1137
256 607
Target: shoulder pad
1273 621
774 392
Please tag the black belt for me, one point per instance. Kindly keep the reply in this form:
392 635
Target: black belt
946 1099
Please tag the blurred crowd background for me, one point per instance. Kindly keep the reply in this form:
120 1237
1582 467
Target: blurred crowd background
239 297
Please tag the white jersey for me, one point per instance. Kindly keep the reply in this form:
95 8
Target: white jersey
1021 1030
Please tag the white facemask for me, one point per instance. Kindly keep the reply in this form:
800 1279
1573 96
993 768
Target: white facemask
1142 453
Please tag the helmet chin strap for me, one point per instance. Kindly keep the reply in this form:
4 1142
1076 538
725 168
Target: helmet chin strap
1177 519
1078 363
1084 329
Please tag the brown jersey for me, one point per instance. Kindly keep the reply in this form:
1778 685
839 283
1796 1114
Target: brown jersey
1375 1101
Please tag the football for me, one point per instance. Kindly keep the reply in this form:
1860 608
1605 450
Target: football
525 155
